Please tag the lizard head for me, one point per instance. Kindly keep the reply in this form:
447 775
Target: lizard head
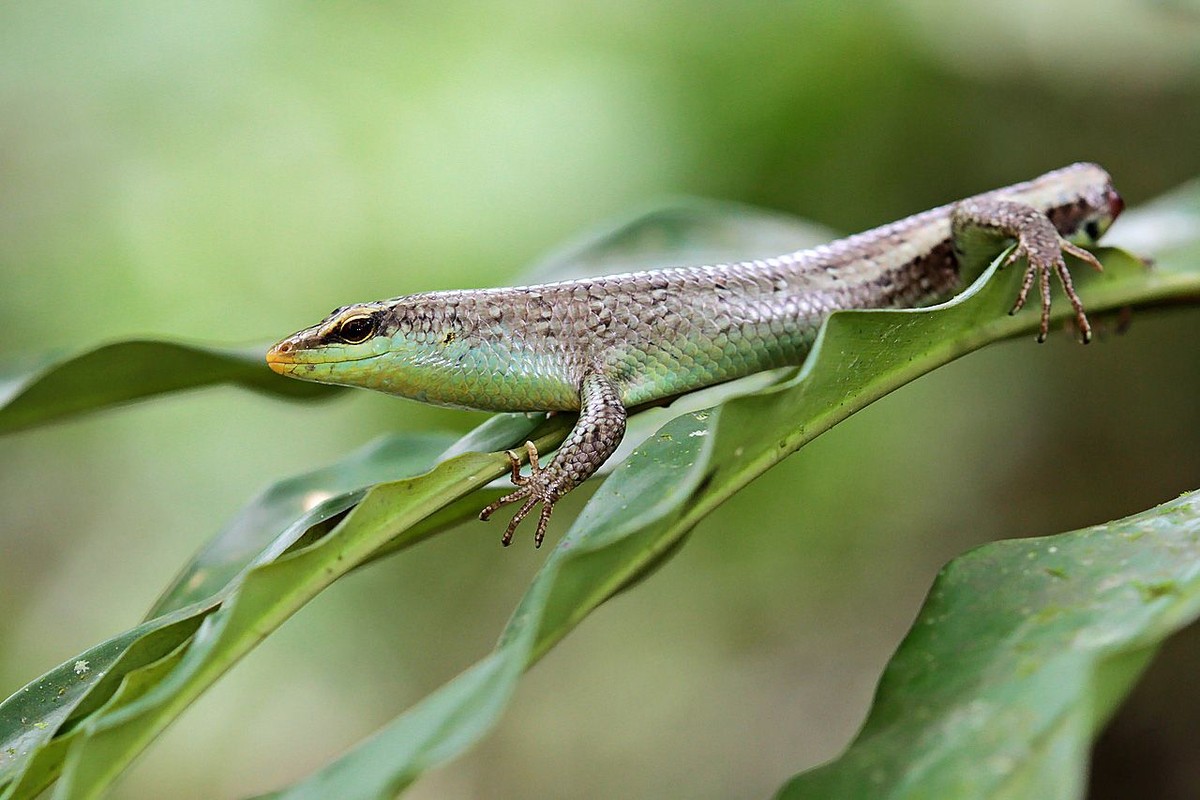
1094 203
350 333
341 349
409 346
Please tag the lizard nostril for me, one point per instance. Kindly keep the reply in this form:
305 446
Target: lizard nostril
279 356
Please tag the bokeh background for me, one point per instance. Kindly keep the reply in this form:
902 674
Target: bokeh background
228 172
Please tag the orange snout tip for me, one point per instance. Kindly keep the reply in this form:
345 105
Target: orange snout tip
279 358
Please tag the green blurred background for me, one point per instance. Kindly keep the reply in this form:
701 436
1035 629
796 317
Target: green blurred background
229 172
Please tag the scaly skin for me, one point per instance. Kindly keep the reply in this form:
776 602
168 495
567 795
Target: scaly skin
600 345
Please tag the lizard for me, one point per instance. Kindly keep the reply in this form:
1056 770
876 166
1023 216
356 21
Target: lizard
598 346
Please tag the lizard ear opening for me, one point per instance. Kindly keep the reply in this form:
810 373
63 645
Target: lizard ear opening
356 329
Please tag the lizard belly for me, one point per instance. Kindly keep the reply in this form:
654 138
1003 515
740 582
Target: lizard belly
684 363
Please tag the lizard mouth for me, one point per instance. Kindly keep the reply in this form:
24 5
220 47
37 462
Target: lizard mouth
282 358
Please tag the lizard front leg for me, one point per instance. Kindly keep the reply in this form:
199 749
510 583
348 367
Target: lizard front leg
1038 241
595 436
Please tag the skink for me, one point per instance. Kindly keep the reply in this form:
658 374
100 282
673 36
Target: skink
600 345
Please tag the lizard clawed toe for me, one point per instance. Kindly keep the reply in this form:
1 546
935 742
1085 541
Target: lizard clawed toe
532 489
1039 265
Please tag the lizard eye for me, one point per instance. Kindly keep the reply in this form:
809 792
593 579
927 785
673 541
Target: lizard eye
356 329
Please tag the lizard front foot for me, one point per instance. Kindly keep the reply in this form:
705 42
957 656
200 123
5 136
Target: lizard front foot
535 488
1043 257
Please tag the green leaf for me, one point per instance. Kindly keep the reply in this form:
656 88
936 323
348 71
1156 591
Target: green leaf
625 529
394 515
1018 657
38 722
46 763
260 531
33 719
54 386
268 595
1167 228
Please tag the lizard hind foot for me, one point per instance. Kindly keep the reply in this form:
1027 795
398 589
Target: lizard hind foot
531 489
1041 262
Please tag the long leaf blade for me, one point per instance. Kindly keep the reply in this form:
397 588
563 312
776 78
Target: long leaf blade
57 386
35 717
266 596
621 532
1019 655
